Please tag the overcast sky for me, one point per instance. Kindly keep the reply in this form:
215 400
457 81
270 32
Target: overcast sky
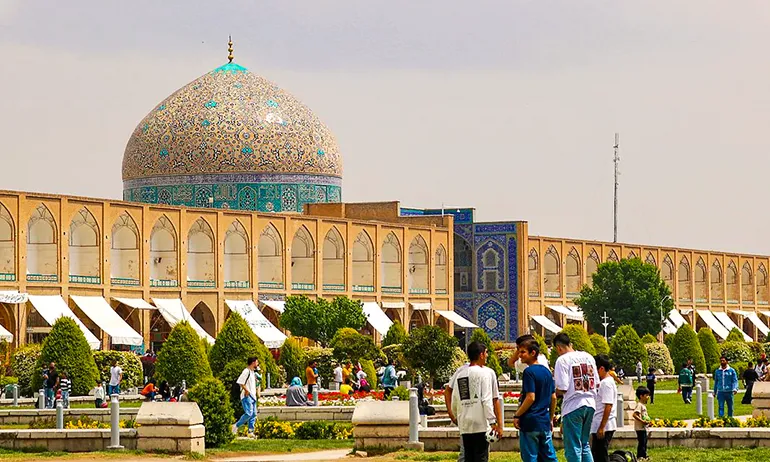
506 106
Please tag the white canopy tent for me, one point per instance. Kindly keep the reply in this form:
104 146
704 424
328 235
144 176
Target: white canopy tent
393 305
457 319
102 314
752 316
424 306
276 305
569 313
174 312
52 307
546 323
377 318
264 329
726 321
5 335
135 303
668 327
676 318
713 323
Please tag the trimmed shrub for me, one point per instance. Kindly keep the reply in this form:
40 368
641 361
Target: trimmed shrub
659 358
24 366
214 403
182 357
686 346
228 376
544 346
668 339
128 362
626 349
458 359
493 362
708 344
736 351
504 355
395 336
756 349
325 358
600 344
580 341
236 342
293 359
649 338
735 336
349 344
371 373
399 392
68 348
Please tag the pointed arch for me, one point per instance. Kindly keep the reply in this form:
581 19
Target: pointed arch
204 316
237 261
731 281
7 245
592 264
667 271
463 264
125 258
391 264
613 256
717 289
269 258
84 249
42 252
631 255
164 258
574 268
419 273
747 283
490 264
552 273
650 259
334 261
302 260
363 263
685 286
533 277
761 280
440 270
201 258
701 286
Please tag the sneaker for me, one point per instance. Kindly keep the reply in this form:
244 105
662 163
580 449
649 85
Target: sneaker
235 429
251 435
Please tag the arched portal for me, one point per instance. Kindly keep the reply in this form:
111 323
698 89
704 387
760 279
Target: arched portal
302 260
533 277
84 249
391 265
164 269
701 288
747 283
159 330
42 253
334 262
133 317
762 294
418 266
418 319
236 256
363 263
7 246
592 265
270 261
440 270
125 261
205 318
731 280
573 273
201 258
552 267
685 287
667 272
717 290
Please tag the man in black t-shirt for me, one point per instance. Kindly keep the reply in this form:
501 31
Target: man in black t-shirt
749 377
50 383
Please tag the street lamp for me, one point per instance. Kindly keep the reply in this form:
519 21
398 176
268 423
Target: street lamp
605 324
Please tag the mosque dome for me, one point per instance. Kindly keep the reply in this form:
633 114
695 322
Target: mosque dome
232 139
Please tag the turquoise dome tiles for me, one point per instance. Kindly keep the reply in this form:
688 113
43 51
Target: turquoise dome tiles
232 139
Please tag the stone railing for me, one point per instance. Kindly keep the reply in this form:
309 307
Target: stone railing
28 416
308 413
124 281
65 440
236 284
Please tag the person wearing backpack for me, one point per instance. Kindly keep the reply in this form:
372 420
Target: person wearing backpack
248 384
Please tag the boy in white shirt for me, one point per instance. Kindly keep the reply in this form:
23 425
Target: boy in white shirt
248 383
604 422
515 362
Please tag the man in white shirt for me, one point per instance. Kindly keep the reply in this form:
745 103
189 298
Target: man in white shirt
604 423
450 408
338 377
476 405
576 379
248 383
116 376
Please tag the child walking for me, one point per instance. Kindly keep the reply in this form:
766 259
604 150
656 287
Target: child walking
651 379
65 385
99 395
641 422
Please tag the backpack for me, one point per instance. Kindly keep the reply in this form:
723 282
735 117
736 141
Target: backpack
622 456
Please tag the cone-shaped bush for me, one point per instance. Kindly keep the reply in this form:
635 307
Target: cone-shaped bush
293 359
600 344
708 343
493 362
236 342
214 403
649 338
668 339
182 357
735 336
580 340
686 346
659 358
626 349
395 336
544 346
68 348
736 352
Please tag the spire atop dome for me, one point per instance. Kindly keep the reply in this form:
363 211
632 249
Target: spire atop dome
230 49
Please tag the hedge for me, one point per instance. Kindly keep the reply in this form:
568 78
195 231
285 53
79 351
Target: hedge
129 362
544 346
579 339
735 335
686 346
458 359
214 403
649 338
600 344
626 349
668 340
24 366
236 342
348 344
182 357
66 346
659 357
228 376
736 352
708 344
293 359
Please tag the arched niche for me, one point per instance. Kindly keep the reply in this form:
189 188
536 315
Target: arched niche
7 246
391 275
418 266
236 256
302 260
440 270
533 277
334 261
42 251
573 272
685 286
717 289
731 280
701 277
205 318
125 259
269 260
84 249
164 260
363 263
552 270
201 258
463 264
747 283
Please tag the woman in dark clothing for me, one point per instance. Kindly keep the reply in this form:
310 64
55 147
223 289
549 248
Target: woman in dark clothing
165 391
749 377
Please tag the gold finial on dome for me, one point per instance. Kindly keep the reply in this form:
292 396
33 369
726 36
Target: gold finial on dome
230 49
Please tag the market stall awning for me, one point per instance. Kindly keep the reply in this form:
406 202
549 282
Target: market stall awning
174 312
457 319
713 323
52 307
5 335
668 327
726 321
276 305
393 305
547 323
101 313
377 318
135 303
13 297
752 316
264 329
676 318
569 313
425 306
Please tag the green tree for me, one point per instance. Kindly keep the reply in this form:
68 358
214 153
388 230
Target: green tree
649 338
579 338
626 349
600 344
320 319
630 292
493 362
429 348
214 403
68 348
237 342
367 365
24 366
395 336
293 359
182 357
736 352
349 344
686 346
128 362
668 339
708 344
735 335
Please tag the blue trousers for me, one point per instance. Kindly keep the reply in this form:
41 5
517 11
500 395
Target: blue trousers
576 433
113 390
537 447
722 398
49 398
249 416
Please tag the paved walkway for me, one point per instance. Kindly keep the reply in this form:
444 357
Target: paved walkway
334 454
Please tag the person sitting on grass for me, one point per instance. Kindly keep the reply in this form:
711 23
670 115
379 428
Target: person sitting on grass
641 422
296 395
150 390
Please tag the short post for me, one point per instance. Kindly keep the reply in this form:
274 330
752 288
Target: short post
502 409
619 412
41 399
698 399
114 423
268 380
423 421
315 395
710 404
59 415
15 395
414 416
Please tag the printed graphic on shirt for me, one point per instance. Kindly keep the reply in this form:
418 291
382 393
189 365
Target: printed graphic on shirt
464 388
583 377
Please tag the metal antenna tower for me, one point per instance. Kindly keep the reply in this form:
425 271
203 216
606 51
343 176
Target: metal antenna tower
616 160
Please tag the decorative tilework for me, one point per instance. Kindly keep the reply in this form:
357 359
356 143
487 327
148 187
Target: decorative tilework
495 228
513 288
491 316
482 268
465 309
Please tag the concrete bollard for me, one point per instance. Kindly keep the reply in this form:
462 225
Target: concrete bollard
619 413
423 420
502 409
114 423
268 380
59 415
15 395
41 399
315 395
698 399
710 404
414 416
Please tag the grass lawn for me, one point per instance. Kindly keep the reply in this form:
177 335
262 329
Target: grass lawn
7 455
277 446
670 406
658 455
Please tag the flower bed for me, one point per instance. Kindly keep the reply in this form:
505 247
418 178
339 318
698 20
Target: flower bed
732 422
334 398
272 428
